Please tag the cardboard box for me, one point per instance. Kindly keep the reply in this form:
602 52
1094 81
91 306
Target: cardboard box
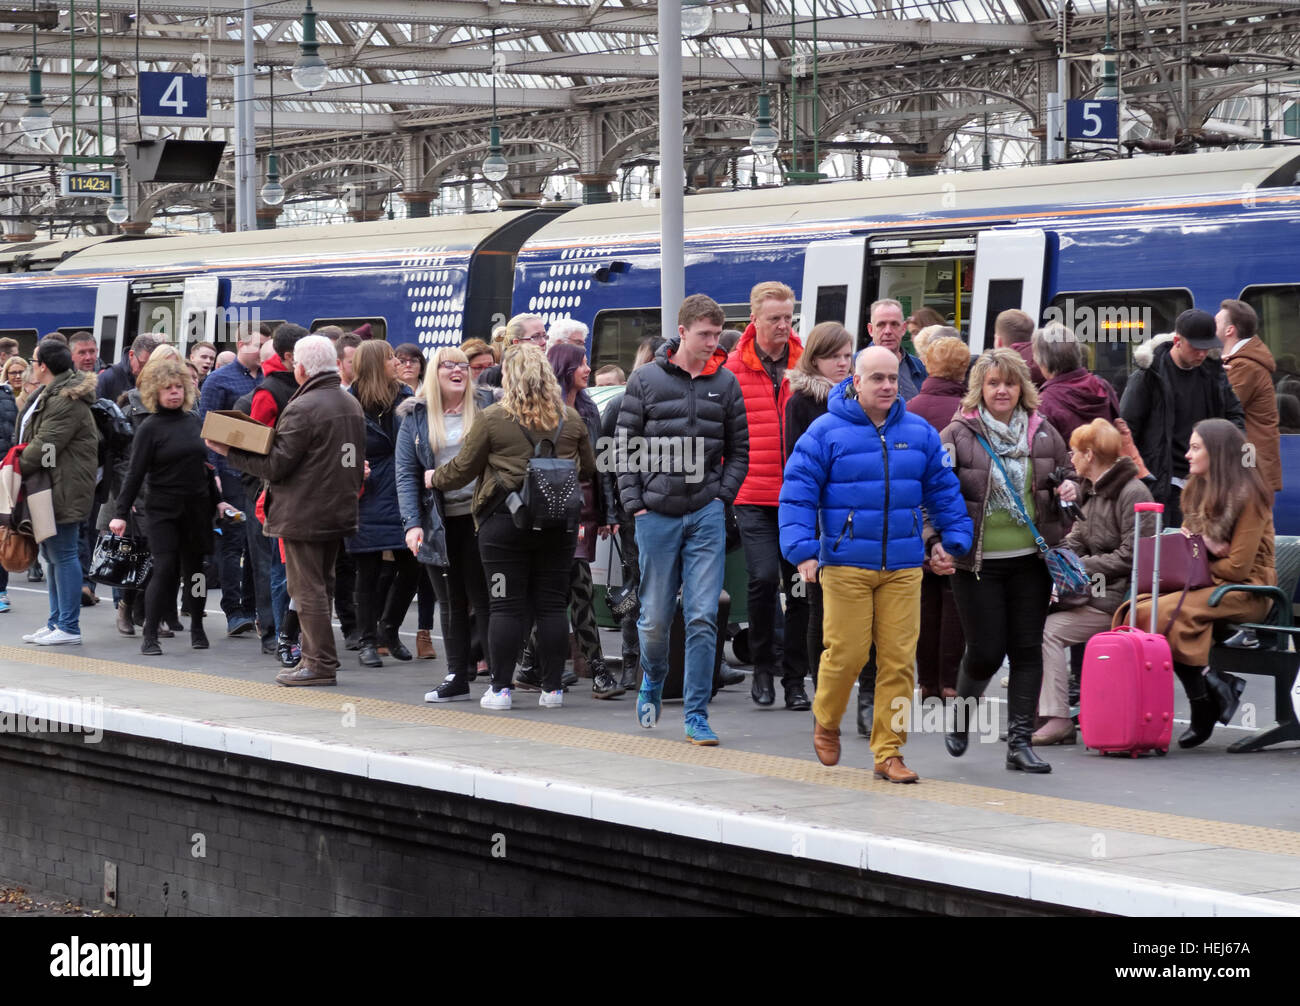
238 430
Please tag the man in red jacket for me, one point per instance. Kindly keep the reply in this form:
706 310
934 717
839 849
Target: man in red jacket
760 360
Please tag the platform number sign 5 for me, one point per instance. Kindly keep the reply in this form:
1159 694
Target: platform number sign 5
173 96
1092 120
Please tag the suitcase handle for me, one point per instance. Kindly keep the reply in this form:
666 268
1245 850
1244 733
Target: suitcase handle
1139 509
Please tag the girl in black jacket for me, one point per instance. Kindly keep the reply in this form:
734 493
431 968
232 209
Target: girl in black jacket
168 450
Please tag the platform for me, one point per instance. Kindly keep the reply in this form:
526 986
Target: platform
1196 833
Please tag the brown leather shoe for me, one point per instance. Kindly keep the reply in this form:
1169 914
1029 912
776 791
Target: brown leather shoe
301 675
893 770
424 645
827 744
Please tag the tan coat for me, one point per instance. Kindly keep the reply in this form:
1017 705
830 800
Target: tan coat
1249 560
1250 372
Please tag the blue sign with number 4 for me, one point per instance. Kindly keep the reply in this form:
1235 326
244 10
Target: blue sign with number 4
1095 119
173 96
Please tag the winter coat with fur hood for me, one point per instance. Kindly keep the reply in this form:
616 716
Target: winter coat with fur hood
1148 406
807 403
61 436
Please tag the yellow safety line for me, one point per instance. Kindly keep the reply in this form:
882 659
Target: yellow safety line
1098 816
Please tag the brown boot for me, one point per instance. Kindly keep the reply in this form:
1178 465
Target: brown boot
424 645
124 625
893 770
827 744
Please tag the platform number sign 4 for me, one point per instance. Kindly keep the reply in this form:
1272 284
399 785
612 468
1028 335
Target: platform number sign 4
1096 119
172 97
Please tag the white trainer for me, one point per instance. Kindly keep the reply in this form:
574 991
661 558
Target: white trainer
38 635
551 700
493 699
57 638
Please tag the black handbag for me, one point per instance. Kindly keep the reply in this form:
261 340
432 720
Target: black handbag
121 562
621 600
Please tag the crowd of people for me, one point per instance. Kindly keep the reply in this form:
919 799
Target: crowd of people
892 504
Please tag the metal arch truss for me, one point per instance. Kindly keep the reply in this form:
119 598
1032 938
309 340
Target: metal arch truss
407 107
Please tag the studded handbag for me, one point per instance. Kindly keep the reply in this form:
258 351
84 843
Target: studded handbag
121 562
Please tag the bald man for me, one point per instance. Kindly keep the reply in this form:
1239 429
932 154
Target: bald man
858 523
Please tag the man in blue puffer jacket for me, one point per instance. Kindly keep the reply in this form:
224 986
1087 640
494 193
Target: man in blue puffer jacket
862 474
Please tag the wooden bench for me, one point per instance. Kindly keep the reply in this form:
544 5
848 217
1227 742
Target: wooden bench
1276 656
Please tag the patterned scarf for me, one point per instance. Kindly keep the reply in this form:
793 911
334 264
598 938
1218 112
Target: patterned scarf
1010 441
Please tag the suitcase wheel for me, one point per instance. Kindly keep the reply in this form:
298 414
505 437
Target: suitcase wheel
1162 751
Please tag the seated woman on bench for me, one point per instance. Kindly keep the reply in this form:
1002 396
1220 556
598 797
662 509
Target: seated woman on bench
1225 501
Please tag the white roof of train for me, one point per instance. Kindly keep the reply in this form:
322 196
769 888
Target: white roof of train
381 238
1138 179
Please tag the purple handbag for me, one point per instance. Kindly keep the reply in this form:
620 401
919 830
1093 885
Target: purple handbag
1184 564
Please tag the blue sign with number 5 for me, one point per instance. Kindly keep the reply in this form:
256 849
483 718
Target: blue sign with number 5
173 96
1096 119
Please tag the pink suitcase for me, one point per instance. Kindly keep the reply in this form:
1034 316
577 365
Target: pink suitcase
1126 697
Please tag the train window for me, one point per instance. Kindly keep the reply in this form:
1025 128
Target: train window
616 336
378 326
832 301
1278 308
70 331
25 337
1111 322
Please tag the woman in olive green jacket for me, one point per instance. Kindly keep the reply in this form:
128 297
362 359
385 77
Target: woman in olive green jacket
61 438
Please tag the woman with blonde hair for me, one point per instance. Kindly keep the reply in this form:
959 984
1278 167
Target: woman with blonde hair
527 570
1004 455
167 451
439 526
15 367
382 595
480 355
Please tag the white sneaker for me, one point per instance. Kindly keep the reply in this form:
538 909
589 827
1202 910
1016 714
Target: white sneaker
495 700
57 638
551 700
38 635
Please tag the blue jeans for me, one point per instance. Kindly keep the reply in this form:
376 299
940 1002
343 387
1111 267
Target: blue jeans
687 553
279 587
63 575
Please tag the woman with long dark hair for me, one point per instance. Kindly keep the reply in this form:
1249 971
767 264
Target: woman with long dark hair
1229 505
440 526
381 600
527 570
167 450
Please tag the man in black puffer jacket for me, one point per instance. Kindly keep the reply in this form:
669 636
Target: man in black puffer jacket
682 451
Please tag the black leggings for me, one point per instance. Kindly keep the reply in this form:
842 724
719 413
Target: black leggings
380 598
527 575
459 587
1002 612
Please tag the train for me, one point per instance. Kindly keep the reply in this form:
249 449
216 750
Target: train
1115 249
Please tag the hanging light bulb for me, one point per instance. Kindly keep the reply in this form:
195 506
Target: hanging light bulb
764 140
36 123
273 191
309 71
495 166
117 211
697 17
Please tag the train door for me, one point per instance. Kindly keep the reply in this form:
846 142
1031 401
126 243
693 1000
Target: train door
110 319
832 283
200 310
156 307
1009 269
927 270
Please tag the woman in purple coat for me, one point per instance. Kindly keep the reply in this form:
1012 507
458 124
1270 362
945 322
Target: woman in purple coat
941 643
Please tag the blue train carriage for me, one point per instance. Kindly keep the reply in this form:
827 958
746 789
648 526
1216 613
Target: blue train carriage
33 302
1115 249
432 281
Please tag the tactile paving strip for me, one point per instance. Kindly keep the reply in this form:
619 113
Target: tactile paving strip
1092 815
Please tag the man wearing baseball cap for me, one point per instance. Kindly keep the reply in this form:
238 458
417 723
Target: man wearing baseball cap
1176 385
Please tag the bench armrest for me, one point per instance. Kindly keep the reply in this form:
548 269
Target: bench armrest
1281 601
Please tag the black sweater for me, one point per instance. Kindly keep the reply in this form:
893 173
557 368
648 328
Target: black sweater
168 450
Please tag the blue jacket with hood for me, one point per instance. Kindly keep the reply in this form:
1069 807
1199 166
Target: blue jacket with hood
869 490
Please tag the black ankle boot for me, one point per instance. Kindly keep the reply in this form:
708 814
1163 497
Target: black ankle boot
386 636
1204 712
1022 711
1225 689
198 638
957 739
149 646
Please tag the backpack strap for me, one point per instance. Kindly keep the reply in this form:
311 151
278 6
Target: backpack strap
553 439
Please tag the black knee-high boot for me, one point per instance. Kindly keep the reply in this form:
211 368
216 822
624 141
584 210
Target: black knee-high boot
1022 705
957 739
1212 697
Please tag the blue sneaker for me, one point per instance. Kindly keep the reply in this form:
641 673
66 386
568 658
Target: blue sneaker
4 601
649 703
699 732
